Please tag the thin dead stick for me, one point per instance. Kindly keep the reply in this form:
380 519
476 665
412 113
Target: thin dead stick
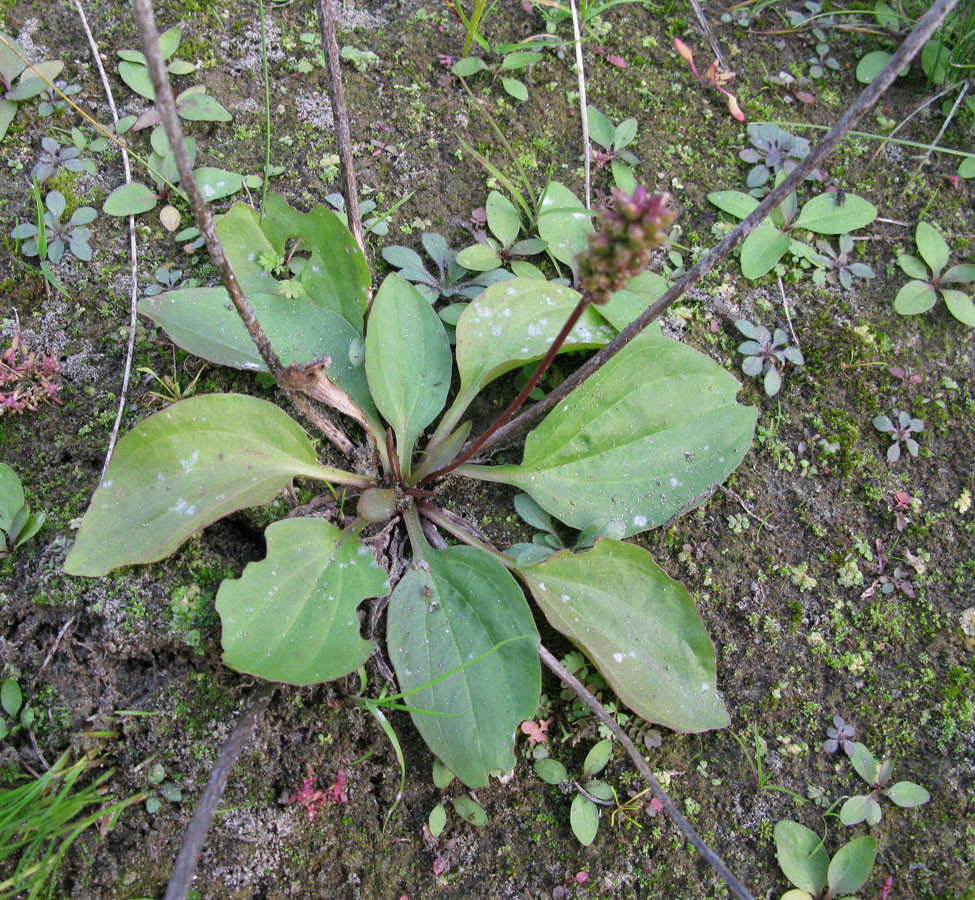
713 860
905 53
583 107
133 250
343 136
788 318
206 807
706 28
149 37
944 125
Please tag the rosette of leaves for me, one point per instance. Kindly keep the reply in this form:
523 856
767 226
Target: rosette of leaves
767 352
504 224
805 862
55 98
510 62
54 156
613 139
450 278
866 807
827 213
460 632
900 428
591 793
20 81
921 293
773 150
71 235
836 266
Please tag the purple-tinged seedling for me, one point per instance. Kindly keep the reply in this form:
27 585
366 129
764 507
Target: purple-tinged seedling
840 736
773 150
900 428
836 266
767 351
714 75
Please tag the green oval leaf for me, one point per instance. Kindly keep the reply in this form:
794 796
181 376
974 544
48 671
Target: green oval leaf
801 856
638 626
292 616
437 820
912 266
408 362
966 168
869 67
512 323
564 222
479 258
584 819
11 697
464 605
850 867
960 305
442 776
217 183
907 794
468 66
198 107
470 811
864 763
597 758
136 76
915 297
601 130
858 809
183 468
169 41
130 200
551 771
734 203
642 439
502 218
932 247
515 88
12 57
762 249
627 304
11 496
824 215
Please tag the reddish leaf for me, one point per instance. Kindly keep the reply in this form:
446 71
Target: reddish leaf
617 61
805 97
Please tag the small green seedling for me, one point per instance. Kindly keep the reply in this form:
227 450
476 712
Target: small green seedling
165 789
12 701
767 351
505 225
612 140
866 807
50 238
921 293
805 862
901 426
828 213
511 62
836 266
591 793
547 541
17 523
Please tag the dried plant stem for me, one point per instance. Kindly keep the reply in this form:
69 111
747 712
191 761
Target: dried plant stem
583 106
206 807
149 38
343 136
713 860
708 33
905 53
133 251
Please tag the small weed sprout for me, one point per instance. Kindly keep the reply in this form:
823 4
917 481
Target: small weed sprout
866 807
767 351
17 525
773 150
27 380
840 735
900 427
54 156
836 266
921 293
71 235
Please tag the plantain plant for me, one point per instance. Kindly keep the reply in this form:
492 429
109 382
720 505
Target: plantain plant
640 441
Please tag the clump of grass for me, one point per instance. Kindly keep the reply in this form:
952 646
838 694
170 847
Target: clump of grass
40 820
